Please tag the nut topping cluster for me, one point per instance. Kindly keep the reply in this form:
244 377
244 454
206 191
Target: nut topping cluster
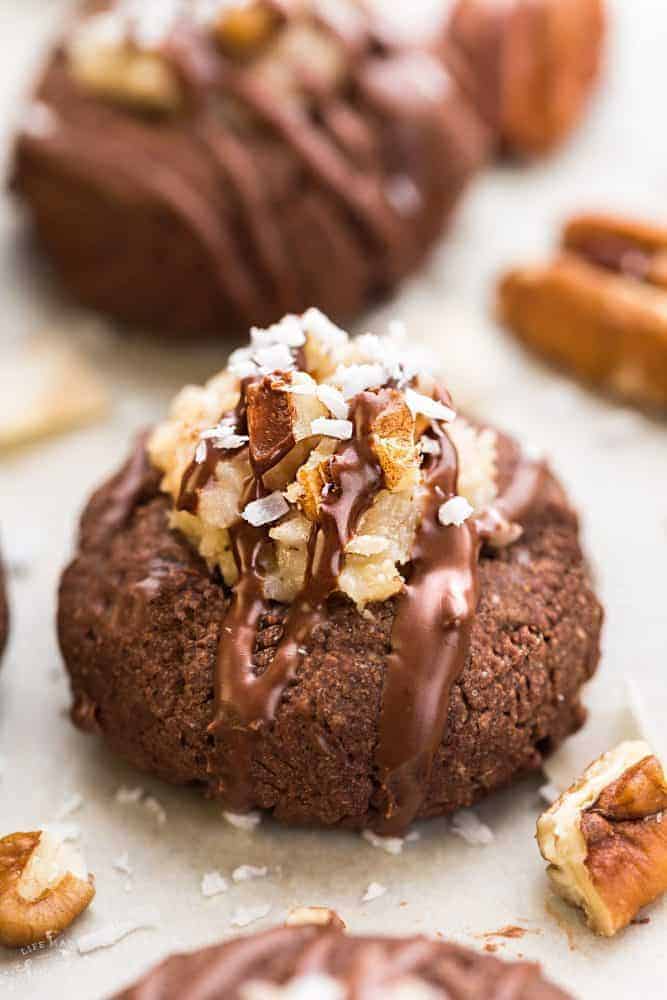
44 887
120 53
606 838
280 412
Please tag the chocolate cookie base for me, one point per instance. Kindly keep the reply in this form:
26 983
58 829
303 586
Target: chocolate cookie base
139 621
279 955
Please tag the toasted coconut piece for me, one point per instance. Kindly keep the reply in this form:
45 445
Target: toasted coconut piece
291 551
316 916
382 543
44 886
195 410
606 838
213 544
103 60
477 450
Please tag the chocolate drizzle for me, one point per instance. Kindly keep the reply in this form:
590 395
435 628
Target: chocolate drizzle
430 644
246 701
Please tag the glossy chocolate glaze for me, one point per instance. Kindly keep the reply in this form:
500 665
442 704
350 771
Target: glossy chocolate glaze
244 700
366 968
434 614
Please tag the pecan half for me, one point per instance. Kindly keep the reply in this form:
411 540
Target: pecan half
600 307
532 65
44 887
606 838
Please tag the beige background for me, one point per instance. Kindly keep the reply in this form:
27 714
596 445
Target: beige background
615 463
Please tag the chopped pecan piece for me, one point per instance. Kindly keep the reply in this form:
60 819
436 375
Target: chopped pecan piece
606 838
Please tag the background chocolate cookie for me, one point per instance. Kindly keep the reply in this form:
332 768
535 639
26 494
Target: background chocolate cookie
324 963
202 172
404 665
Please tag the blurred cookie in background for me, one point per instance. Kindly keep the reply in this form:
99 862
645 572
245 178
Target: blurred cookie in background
200 168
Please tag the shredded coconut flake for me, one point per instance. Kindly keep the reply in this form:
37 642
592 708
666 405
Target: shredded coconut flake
429 446
549 793
266 510
455 511
354 379
330 336
122 864
224 436
368 545
243 821
341 429
467 825
288 332
129 796
71 805
243 367
277 357
244 873
333 400
213 883
302 389
107 936
391 845
200 452
374 891
156 809
246 915
428 407
64 831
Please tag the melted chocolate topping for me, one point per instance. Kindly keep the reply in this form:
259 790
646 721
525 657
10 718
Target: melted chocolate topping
434 614
244 700
430 643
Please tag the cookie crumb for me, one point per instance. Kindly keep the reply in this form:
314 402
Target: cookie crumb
246 915
112 933
213 883
391 845
374 891
467 825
